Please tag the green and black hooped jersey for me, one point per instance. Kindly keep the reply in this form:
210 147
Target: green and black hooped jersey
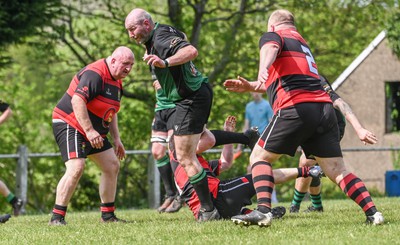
178 82
162 102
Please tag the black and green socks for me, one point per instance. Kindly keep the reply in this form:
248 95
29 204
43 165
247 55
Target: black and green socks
298 198
11 198
164 167
316 200
200 185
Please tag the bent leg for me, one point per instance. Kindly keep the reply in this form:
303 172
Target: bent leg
263 177
302 185
67 184
351 185
185 147
108 163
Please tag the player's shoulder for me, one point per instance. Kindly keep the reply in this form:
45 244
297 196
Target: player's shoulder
270 37
163 29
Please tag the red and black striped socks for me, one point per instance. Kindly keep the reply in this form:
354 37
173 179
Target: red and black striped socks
59 212
107 210
354 188
263 180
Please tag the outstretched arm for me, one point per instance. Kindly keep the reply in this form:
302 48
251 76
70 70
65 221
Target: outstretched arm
5 115
241 85
363 134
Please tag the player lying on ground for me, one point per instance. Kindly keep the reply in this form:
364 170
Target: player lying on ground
229 196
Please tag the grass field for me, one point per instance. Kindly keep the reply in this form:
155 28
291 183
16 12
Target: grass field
341 223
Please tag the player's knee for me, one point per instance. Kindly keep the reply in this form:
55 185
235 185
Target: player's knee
315 182
76 172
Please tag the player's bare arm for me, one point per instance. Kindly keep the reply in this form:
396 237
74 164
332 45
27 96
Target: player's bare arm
183 55
364 135
241 85
119 148
81 114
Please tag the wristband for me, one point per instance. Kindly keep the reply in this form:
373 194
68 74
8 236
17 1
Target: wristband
166 62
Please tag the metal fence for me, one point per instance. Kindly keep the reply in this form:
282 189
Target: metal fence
23 156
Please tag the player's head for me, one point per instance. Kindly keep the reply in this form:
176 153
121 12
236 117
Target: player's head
139 25
280 17
256 96
120 62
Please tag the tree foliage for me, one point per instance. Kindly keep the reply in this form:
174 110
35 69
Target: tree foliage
225 32
19 19
393 31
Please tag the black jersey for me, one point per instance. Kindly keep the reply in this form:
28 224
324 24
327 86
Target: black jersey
180 81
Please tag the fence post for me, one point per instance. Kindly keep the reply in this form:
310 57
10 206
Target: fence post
153 177
22 175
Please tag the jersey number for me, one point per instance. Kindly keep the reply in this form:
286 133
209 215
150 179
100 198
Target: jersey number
310 60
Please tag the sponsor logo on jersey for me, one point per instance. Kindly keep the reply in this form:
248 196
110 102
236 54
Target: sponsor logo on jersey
108 116
174 42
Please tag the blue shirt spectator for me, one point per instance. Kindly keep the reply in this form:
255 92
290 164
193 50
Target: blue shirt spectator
258 113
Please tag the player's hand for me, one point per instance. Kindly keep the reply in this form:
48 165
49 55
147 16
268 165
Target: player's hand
119 149
238 85
154 60
95 139
230 123
156 85
262 78
366 136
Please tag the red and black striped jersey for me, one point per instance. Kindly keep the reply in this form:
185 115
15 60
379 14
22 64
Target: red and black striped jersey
293 77
186 188
101 92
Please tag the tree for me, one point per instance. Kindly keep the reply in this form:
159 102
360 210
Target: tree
393 31
19 19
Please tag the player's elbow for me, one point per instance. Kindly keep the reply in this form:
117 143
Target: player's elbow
192 51
225 165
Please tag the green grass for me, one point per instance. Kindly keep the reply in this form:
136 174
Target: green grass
341 223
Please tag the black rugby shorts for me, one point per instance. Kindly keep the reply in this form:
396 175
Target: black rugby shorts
73 144
234 194
163 120
313 126
192 113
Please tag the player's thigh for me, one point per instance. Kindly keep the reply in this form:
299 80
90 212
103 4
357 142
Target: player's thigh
207 141
286 131
186 145
325 140
260 154
71 142
191 113
333 168
106 160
